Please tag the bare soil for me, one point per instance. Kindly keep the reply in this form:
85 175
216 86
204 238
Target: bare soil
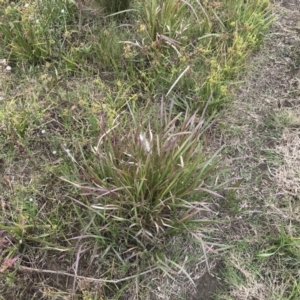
210 283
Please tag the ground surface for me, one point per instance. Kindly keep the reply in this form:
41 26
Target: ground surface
261 130
210 283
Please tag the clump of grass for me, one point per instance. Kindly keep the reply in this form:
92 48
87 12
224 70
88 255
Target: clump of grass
140 179
285 246
164 17
142 184
36 31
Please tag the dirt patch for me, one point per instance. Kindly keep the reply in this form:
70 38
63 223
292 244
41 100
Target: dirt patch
290 4
210 283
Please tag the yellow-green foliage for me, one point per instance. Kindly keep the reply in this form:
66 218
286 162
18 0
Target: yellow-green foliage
164 37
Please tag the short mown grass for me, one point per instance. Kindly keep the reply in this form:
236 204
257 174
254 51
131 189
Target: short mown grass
105 118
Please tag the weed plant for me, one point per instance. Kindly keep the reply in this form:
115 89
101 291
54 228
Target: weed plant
143 176
148 49
164 18
143 183
36 31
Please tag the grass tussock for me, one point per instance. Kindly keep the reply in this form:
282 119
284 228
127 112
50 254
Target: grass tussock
143 177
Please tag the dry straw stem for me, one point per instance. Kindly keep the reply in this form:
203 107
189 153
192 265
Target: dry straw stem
287 175
45 271
176 81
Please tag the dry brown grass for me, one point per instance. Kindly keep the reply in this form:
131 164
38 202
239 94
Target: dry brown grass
261 129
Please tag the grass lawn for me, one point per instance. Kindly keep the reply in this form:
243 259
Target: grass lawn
116 182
